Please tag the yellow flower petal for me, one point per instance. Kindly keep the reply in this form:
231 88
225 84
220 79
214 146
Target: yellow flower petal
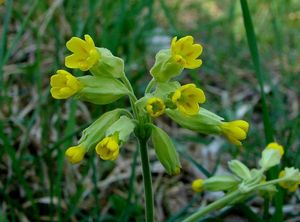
276 146
63 85
185 52
197 185
75 154
85 54
155 106
108 148
235 131
187 98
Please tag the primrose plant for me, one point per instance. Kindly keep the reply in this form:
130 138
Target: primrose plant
107 83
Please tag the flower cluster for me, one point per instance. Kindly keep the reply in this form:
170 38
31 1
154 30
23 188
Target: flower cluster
107 82
247 181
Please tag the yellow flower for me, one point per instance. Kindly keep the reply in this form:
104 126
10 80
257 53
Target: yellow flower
276 146
108 148
235 131
2 1
75 154
187 99
291 186
197 185
64 85
85 54
185 52
155 106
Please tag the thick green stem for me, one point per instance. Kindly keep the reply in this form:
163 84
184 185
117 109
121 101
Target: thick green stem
149 208
214 206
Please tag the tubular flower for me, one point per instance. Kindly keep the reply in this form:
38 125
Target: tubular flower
276 146
185 52
64 85
197 185
75 154
187 99
155 106
235 131
291 186
108 148
85 54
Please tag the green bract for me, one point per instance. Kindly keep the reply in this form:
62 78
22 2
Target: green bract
270 158
108 65
204 122
100 90
123 127
96 131
218 183
165 67
239 169
165 150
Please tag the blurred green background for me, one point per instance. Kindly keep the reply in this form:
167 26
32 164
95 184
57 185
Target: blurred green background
38 184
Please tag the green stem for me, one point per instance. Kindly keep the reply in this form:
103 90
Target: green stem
149 208
214 206
150 86
132 96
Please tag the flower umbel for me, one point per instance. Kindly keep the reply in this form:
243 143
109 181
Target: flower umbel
197 185
155 106
187 99
85 54
185 52
108 148
235 131
63 85
75 154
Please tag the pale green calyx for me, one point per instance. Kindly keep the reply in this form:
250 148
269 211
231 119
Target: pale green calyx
204 122
165 150
100 90
270 158
108 65
291 174
239 169
123 127
165 67
96 131
218 183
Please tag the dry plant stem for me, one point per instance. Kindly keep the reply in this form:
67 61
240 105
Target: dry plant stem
147 179
214 206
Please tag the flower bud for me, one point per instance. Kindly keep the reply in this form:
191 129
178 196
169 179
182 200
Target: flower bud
291 179
108 65
108 148
197 185
204 122
100 90
165 151
235 131
271 156
218 183
239 169
75 154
